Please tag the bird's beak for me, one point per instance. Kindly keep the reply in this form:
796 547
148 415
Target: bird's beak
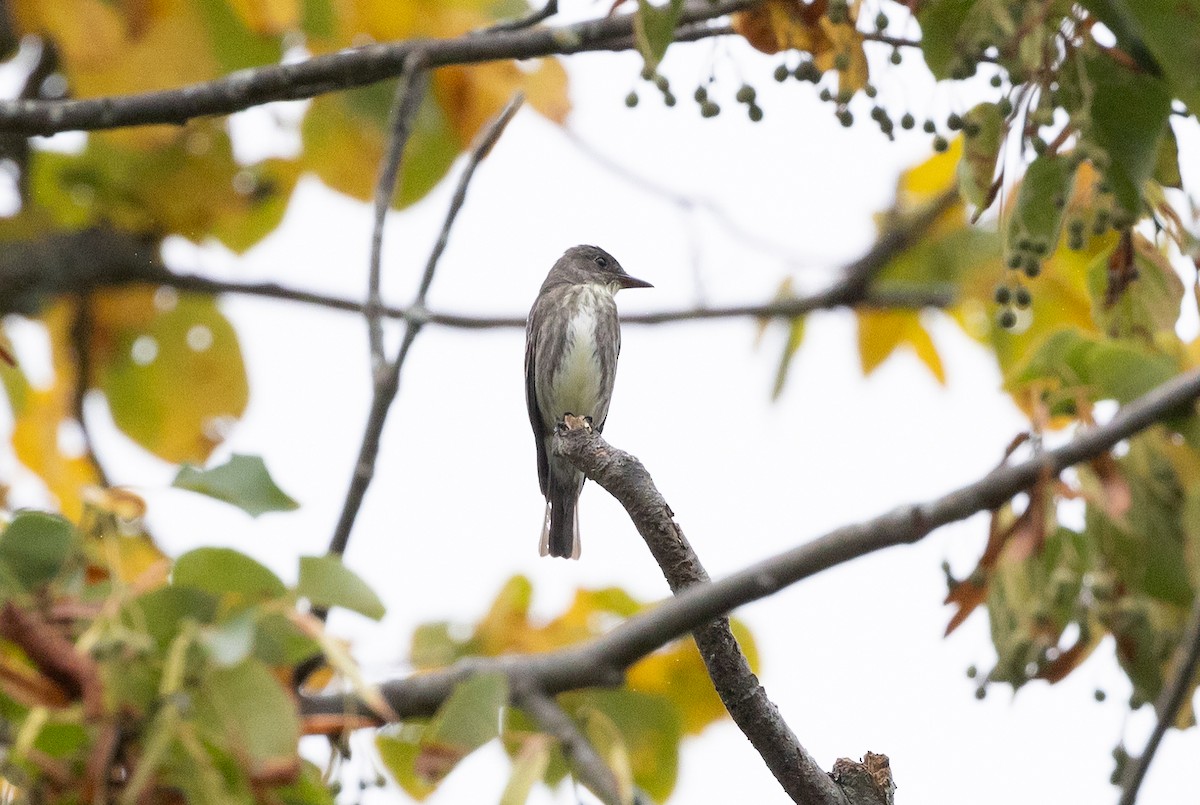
627 281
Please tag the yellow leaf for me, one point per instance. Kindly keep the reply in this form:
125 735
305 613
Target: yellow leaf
678 673
882 332
268 16
40 415
472 95
779 25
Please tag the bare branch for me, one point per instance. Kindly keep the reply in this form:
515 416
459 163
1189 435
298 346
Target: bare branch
388 383
1170 701
582 756
624 477
409 94
353 67
602 662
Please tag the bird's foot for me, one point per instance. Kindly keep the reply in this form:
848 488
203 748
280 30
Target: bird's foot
572 422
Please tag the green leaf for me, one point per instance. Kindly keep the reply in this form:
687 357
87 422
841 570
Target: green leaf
159 613
977 167
243 481
609 743
252 709
399 751
528 767
310 789
651 730
941 21
1166 162
35 545
224 570
280 641
1128 115
1123 372
235 46
173 380
1149 305
1037 219
795 338
469 718
654 30
1168 30
319 19
326 582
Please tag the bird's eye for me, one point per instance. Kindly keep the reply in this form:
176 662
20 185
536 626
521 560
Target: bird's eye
601 261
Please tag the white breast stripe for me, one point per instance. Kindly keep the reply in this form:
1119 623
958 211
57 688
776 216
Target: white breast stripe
577 382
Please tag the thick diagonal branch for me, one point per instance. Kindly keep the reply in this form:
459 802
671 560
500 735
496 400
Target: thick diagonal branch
603 661
624 477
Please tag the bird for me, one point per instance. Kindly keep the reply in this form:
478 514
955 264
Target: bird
572 340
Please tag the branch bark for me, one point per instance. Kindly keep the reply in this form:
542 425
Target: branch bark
626 479
345 69
603 661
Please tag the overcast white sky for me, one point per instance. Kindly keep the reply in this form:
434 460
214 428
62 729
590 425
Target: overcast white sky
854 658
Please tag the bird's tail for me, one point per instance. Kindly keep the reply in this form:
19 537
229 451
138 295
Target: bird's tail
560 531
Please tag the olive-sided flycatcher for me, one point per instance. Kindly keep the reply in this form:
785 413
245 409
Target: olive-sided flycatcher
572 340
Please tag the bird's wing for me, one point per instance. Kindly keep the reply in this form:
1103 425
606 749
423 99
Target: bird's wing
536 420
608 348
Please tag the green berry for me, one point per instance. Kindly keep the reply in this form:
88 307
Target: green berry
745 94
954 122
1099 695
701 94
896 58
781 73
826 95
877 113
972 672
709 109
1032 267
1003 295
661 82
881 21
669 98
940 144
996 81
1007 320
845 118
631 100
908 121
870 91
1022 298
755 113
929 127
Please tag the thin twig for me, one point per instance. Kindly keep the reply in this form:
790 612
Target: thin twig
1169 703
81 345
389 377
602 661
345 69
551 719
409 94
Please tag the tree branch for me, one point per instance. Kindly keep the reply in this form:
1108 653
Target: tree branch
388 383
603 661
1169 703
624 477
551 719
353 67
409 94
